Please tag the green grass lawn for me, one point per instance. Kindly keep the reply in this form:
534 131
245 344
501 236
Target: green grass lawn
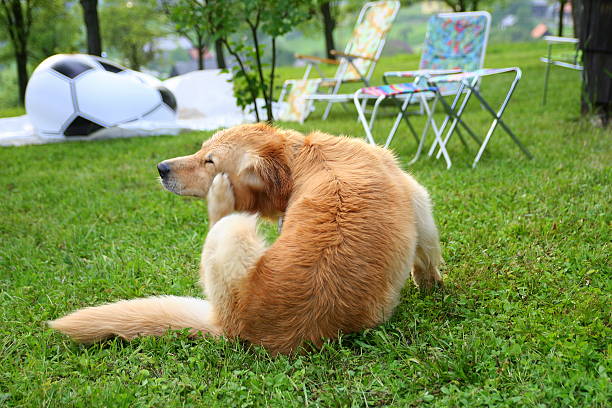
524 319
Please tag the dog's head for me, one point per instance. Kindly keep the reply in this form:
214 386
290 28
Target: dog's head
255 157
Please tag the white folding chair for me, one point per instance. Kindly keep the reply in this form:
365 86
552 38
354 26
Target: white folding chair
356 64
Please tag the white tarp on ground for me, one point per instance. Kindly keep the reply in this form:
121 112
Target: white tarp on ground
205 101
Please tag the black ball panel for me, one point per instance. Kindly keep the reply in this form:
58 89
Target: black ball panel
81 127
71 67
167 97
109 66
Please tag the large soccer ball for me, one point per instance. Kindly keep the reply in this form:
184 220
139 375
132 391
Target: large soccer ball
77 94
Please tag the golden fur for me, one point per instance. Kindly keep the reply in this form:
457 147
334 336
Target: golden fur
355 225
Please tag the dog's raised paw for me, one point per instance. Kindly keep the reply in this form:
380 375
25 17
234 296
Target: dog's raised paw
221 188
221 200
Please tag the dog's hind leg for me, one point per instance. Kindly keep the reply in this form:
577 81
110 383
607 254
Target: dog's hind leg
232 248
425 272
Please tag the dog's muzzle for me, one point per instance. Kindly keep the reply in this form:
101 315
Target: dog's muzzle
166 178
163 169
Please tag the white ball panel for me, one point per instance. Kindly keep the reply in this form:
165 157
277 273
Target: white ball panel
48 101
112 98
161 114
141 77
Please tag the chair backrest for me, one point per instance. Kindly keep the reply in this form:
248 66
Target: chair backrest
368 38
456 40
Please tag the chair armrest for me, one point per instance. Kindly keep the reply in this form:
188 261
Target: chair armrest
551 39
421 73
563 64
465 76
351 56
316 60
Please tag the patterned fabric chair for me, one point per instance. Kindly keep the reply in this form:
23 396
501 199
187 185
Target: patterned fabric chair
355 64
455 42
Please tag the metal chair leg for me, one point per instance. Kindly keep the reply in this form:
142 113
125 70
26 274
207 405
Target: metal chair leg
362 117
447 118
457 119
498 120
547 73
402 114
430 121
375 110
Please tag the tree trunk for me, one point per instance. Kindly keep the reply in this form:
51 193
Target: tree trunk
17 22
134 58
21 58
329 24
561 7
576 18
219 54
201 51
596 44
92 25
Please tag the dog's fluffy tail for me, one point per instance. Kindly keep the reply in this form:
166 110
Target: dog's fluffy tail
152 316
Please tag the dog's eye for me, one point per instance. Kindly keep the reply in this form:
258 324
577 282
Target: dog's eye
209 161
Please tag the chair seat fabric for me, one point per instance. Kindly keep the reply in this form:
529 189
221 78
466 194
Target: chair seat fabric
396 89
298 105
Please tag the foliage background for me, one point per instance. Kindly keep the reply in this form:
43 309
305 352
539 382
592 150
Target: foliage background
128 43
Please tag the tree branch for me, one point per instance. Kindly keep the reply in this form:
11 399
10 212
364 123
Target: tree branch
271 91
258 60
251 90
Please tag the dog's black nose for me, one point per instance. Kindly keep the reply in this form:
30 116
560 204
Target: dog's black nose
163 169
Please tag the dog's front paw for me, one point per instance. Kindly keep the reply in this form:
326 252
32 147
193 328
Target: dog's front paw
221 200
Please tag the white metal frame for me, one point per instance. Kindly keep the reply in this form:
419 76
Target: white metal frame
471 81
359 97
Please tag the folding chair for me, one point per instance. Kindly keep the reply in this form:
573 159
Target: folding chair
355 64
564 60
454 42
471 82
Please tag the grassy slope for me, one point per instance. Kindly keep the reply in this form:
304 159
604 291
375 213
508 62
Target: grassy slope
524 319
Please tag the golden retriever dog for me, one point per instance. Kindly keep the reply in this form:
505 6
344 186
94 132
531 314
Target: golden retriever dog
355 227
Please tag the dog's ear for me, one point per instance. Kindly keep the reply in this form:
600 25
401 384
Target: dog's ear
249 171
